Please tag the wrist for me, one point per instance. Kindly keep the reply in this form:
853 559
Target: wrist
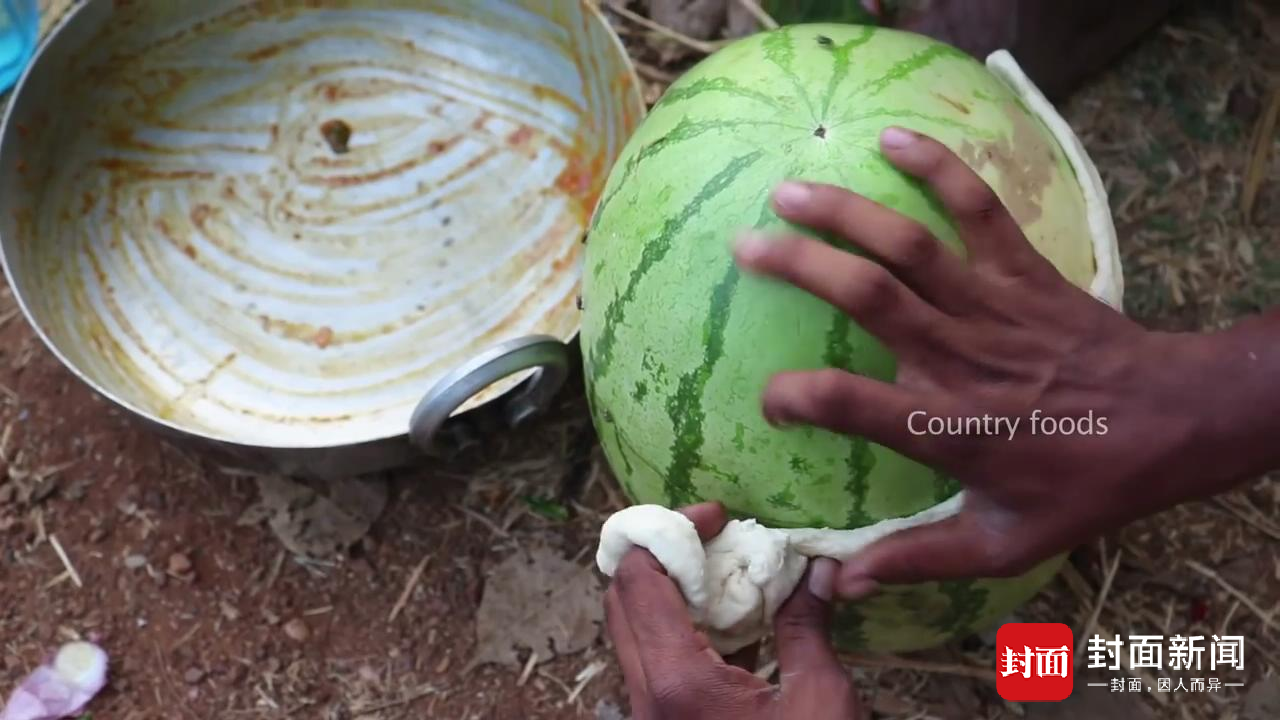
1232 387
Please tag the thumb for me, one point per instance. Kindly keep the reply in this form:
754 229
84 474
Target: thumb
806 658
952 549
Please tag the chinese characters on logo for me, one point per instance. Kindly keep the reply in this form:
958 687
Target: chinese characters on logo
1042 662
1035 662
1179 654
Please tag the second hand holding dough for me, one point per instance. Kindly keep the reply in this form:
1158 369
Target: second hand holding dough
736 583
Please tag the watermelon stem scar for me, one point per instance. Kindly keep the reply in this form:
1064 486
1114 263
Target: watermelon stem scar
737 581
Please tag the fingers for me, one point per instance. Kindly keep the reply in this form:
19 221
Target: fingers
624 642
904 246
709 518
953 549
988 229
862 289
849 404
801 631
659 618
671 670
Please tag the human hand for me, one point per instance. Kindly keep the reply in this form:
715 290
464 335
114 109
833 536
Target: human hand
1058 44
673 674
1002 335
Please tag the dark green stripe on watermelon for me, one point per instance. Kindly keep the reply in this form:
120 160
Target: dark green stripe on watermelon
603 420
901 70
861 460
967 601
859 464
914 115
800 465
780 49
847 628
685 406
784 499
839 352
684 130
654 251
843 59
944 487
678 94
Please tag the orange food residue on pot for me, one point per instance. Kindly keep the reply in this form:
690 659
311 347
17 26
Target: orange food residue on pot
581 179
522 135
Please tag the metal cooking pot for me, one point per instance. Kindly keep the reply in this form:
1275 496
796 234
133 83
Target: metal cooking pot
305 234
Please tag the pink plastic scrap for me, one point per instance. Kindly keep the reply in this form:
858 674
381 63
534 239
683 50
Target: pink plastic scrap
61 687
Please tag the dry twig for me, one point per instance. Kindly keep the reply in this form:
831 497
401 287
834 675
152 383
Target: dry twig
892 662
1249 515
1258 162
1245 600
1101 602
765 19
66 561
408 589
702 46
484 521
365 710
8 315
529 665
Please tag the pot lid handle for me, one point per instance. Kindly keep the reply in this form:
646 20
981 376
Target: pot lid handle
548 356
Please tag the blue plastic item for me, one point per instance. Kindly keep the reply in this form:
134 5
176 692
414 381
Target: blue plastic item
19 27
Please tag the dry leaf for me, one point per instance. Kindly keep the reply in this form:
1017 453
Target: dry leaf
320 521
537 601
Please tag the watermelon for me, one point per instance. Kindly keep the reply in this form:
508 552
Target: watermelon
678 345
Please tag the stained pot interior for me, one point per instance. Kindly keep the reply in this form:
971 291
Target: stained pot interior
190 235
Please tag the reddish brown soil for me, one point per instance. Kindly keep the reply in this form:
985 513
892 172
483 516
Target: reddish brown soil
215 642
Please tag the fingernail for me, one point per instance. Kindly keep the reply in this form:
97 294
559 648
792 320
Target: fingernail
791 196
775 415
896 138
750 246
822 578
857 588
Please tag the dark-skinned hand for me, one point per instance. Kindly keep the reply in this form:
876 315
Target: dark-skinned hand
673 674
1002 333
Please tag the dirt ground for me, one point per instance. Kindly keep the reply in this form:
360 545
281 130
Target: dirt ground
206 616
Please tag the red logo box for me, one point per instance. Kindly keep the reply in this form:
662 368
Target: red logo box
1035 662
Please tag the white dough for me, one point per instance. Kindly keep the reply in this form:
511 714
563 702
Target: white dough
667 535
736 583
